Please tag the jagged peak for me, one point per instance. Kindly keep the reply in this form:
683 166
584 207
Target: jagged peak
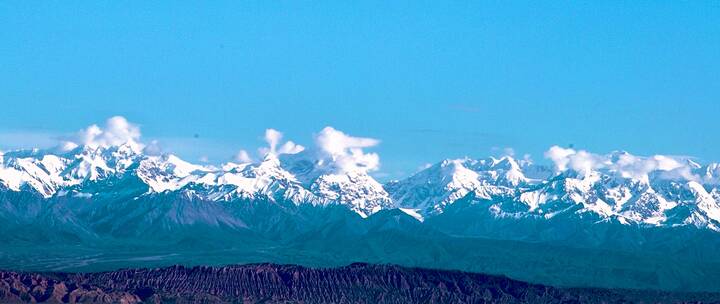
304 177
127 148
505 161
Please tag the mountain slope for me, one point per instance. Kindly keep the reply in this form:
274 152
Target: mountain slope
104 207
59 173
524 190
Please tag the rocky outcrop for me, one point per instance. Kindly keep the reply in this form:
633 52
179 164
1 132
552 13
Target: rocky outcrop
269 283
57 288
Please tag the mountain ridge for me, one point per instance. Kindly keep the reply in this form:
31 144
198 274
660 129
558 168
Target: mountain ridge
605 225
650 199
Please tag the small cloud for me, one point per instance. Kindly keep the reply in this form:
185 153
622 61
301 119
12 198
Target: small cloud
243 157
622 163
509 151
506 151
346 152
153 148
560 156
333 149
204 159
116 131
290 147
273 138
527 157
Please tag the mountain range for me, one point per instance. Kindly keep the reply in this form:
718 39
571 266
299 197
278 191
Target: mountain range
616 224
534 190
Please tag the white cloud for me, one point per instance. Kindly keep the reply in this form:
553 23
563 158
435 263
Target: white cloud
509 151
116 131
527 158
333 150
506 151
273 138
639 167
559 156
624 164
290 147
243 157
346 152
153 148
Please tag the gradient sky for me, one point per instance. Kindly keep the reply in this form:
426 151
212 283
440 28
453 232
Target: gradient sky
431 80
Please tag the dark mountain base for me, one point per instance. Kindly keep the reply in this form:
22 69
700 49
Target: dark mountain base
269 283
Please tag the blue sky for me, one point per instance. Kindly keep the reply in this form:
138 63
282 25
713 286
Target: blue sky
431 80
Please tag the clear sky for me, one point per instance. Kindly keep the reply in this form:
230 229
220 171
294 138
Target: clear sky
431 80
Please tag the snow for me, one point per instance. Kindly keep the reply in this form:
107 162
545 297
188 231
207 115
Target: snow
414 213
439 185
13 178
533 199
313 177
82 195
117 131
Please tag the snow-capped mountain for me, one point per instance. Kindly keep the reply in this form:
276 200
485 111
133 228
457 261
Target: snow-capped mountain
509 187
304 206
296 179
49 171
650 200
521 189
431 189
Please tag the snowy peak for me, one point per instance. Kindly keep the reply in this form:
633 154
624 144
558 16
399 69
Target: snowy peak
168 172
42 175
709 173
362 193
661 195
266 179
352 186
333 172
47 171
658 201
431 189
667 194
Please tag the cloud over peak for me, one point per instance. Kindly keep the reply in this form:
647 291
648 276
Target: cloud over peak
116 131
333 150
346 151
273 138
623 163
243 156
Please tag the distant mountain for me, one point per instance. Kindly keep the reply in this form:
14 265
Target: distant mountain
521 189
536 191
431 190
294 177
104 207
